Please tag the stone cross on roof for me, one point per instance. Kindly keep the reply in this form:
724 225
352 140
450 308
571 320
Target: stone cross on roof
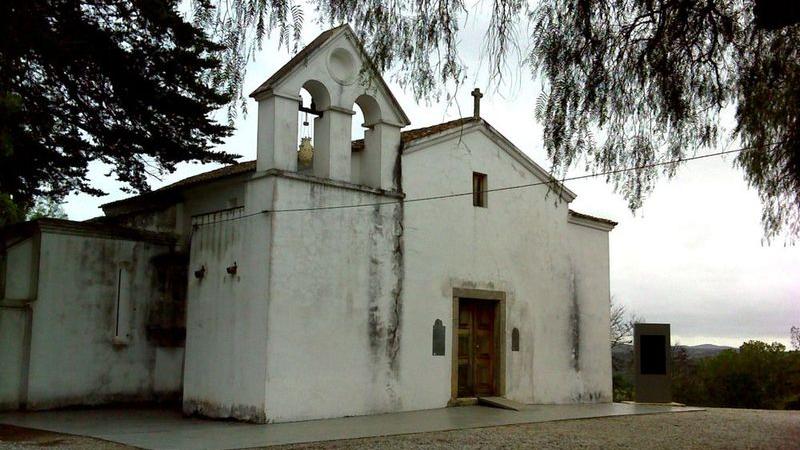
476 103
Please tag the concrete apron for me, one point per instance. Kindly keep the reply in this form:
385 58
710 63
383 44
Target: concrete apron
168 429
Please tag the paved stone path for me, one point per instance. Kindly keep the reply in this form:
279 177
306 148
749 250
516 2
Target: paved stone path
713 429
164 429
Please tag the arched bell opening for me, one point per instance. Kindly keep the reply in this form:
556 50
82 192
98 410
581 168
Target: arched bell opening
370 108
357 130
314 98
366 149
305 133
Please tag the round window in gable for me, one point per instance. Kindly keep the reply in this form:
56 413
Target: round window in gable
342 66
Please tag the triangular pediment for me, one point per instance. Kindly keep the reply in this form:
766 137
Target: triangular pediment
470 125
336 66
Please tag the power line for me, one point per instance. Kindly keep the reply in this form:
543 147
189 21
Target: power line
507 188
227 219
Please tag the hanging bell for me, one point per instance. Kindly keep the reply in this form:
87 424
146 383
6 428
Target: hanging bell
305 154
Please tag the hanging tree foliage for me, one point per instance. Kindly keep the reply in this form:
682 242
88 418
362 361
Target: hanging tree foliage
654 77
627 83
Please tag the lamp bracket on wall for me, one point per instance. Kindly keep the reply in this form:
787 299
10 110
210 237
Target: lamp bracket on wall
232 269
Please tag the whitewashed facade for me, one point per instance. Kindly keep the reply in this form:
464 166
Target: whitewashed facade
328 291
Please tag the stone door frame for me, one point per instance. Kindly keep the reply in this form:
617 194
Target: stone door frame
499 299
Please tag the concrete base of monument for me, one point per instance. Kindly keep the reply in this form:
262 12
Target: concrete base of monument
152 428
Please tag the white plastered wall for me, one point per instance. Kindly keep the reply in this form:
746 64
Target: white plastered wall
589 257
226 324
21 269
18 283
521 245
335 307
13 325
75 357
335 304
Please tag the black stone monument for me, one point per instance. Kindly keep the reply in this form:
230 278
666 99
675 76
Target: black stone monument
651 360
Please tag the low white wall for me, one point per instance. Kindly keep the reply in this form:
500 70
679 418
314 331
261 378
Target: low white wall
13 324
18 284
74 359
20 280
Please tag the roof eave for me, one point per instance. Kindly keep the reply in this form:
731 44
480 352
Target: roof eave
586 220
167 195
93 229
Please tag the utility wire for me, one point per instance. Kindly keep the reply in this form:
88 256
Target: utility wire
507 188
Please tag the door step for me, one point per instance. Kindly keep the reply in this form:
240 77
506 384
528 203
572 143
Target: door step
500 402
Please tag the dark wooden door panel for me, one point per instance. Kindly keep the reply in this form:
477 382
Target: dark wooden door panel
476 348
484 348
465 374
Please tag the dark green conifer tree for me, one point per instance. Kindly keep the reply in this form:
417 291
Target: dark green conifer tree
128 83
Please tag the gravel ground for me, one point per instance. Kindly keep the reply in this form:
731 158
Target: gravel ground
714 428
12 437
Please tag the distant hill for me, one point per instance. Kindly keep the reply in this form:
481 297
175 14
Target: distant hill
705 350
624 352
694 351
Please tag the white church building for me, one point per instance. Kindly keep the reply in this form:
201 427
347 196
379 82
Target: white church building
413 269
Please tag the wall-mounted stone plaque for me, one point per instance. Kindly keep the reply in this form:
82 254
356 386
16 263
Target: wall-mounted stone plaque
438 338
515 340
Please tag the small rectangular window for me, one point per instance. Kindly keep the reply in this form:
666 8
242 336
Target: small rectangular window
479 188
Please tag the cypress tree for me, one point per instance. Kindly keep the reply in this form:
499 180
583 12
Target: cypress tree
128 83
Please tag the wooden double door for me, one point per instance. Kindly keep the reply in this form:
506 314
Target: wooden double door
477 349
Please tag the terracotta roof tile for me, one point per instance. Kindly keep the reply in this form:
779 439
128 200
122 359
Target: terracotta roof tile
212 175
419 133
222 172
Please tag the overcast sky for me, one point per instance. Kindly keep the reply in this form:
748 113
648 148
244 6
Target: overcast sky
692 256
